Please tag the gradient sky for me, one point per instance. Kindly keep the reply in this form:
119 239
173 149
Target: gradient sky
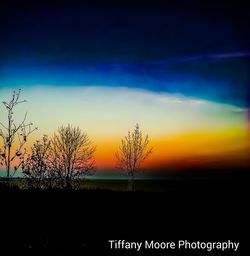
180 70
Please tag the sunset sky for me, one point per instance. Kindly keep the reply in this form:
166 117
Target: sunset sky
178 71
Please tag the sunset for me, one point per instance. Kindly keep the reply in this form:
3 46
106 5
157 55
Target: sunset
124 127
185 130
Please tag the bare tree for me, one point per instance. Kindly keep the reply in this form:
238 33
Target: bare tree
133 151
11 132
71 155
36 166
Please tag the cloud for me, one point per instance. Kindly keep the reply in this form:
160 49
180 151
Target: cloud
111 111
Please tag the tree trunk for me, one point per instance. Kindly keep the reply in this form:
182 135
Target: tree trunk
131 183
8 166
68 183
9 145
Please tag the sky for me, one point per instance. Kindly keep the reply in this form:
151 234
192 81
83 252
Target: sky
180 70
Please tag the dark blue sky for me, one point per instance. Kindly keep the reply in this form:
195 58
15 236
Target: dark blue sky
197 48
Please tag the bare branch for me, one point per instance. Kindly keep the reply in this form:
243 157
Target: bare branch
133 151
11 131
69 157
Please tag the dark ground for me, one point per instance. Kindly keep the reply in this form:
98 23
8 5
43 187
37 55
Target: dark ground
81 222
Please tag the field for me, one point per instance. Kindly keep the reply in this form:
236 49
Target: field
81 222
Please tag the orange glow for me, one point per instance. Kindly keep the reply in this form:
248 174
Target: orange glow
221 148
208 149
227 147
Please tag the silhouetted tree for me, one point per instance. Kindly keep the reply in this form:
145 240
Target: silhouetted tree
71 155
36 166
12 132
133 151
